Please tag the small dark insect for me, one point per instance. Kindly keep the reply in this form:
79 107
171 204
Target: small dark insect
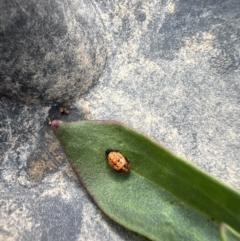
64 110
117 161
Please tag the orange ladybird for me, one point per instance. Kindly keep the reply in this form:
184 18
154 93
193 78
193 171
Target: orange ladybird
117 161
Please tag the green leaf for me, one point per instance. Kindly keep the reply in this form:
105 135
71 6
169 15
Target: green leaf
228 233
163 197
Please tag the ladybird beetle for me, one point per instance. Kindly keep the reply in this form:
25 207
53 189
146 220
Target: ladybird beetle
117 161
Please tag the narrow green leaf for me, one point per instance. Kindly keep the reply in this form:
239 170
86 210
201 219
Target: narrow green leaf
158 198
228 233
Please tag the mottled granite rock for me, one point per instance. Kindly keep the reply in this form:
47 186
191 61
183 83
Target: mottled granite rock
168 68
51 51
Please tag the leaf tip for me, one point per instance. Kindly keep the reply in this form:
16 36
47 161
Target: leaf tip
55 124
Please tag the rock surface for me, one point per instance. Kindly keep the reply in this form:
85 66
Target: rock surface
168 68
51 51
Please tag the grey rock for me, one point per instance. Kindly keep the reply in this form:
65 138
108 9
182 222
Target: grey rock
51 51
167 68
